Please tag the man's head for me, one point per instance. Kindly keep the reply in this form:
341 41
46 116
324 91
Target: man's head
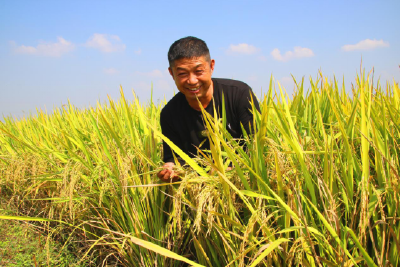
188 47
191 68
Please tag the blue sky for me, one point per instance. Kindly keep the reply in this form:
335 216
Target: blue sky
52 51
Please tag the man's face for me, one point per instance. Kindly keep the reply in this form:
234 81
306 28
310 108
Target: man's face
192 77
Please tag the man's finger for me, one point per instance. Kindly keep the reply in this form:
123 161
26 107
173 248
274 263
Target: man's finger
167 175
161 173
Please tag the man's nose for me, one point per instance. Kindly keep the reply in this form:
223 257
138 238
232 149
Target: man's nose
192 79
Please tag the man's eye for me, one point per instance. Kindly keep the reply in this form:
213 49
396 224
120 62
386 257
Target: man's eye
199 71
181 74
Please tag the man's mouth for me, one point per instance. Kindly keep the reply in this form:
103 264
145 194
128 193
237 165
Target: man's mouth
193 89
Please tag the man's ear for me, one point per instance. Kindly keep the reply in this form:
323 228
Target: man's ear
212 64
170 72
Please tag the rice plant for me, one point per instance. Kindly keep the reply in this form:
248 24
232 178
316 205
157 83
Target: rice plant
316 185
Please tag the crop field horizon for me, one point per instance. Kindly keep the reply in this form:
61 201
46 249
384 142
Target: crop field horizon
316 185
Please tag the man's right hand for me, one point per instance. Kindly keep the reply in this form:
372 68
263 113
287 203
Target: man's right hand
167 174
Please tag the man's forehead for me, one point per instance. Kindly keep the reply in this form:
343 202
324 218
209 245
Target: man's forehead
190 62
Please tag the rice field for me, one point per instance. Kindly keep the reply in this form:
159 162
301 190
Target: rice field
317 185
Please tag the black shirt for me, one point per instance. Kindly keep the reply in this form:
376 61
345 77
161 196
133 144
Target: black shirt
184 125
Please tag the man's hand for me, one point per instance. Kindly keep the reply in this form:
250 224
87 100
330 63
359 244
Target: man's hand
167 174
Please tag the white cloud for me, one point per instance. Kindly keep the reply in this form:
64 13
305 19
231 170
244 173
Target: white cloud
152 74
141 86
163 85
110 71
105 43
298 52
366 44
242 49
287 82
262 58
138 52
160 85
46 49
253 78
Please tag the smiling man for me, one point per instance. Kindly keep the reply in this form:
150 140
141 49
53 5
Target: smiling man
191 67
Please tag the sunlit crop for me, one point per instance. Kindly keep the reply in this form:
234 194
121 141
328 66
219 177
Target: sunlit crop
317 185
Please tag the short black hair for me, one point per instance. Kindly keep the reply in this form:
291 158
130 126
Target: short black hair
188 47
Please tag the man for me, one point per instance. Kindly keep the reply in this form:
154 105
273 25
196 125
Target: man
191 67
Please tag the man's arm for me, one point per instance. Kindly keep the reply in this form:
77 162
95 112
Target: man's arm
167 173
167 131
